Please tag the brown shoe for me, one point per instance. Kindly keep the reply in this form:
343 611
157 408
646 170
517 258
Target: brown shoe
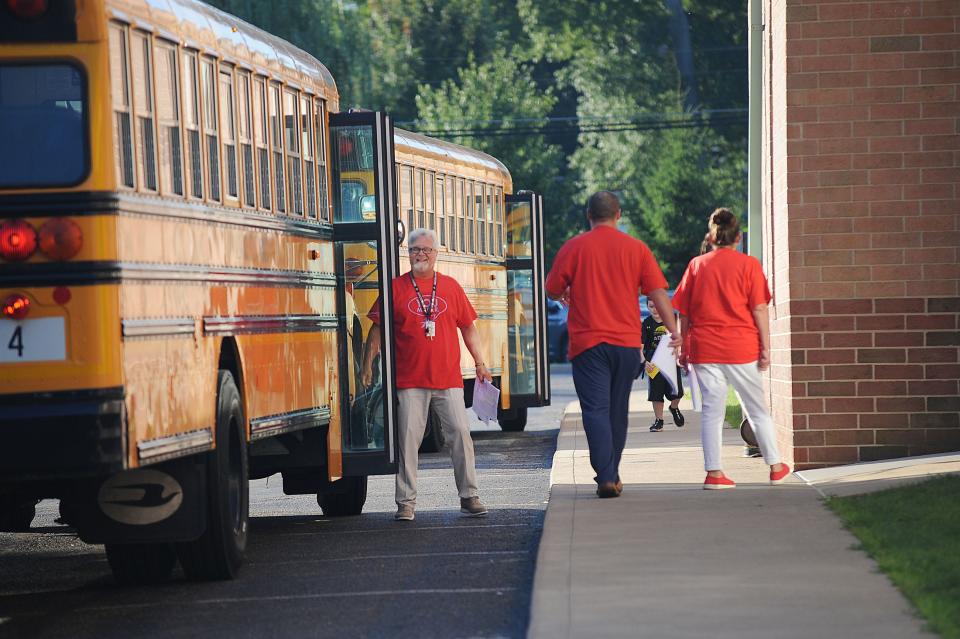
619 486
607 489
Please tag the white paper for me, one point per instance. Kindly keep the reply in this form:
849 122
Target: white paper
486 397
664 360
693 382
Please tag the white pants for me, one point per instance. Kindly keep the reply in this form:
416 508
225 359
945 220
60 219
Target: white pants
746 381
448 410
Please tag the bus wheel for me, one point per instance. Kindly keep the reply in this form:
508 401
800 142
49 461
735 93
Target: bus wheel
433 439
16 515
512 420
218 553
346 497
137 564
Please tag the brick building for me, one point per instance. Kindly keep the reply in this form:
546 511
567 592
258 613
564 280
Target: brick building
861 225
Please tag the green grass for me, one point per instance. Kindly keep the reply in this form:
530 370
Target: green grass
913 533
734 414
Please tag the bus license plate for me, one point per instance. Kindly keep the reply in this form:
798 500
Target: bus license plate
36 340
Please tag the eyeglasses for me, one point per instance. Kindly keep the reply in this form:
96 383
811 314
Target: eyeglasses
415 250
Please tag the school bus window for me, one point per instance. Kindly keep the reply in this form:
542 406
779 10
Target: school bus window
120 79
498 217
228 131
42 125
168 119
245 135
292 145
481 221
143 108
261 139
462 212
406 194
309 168
277 145
451 212
471 218
441 212
429 199
209 98
321 134
492 240
191 122
418 196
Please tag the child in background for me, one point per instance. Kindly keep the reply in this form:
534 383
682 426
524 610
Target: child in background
657 386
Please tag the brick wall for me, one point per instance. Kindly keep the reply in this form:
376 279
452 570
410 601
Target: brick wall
862 226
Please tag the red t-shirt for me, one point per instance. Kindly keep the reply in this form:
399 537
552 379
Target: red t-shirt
423 362
717 294
606 271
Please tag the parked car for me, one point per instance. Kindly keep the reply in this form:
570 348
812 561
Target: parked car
557 331
644 310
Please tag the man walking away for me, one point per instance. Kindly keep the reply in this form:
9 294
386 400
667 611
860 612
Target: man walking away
601 274
428 308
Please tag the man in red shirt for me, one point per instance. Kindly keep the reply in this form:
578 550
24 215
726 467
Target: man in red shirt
428 308
601 275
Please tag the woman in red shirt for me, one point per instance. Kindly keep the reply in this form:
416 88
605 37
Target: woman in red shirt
722 300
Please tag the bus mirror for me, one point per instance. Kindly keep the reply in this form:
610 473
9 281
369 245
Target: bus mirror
368 207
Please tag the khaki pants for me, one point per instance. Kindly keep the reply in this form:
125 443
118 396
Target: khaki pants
447 406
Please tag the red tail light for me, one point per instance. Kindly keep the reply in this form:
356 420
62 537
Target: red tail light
18 240
16 306
27 8
60 238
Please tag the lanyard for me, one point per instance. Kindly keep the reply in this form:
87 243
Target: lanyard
427 310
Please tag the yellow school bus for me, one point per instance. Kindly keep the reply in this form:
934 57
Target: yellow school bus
182 277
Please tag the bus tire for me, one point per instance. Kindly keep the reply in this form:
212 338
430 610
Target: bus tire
346 499
433 438
16 515
140 564
512 420
218 553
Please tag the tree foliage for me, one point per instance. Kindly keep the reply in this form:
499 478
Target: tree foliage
492 64
503 93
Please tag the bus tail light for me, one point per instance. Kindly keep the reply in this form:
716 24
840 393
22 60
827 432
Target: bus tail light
18 240
60 239
16 306
27 9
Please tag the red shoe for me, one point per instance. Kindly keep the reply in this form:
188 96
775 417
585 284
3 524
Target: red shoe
778 477
718 483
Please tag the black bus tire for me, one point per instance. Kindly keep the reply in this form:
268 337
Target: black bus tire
512 420
218 553
16 515
346 499
141 564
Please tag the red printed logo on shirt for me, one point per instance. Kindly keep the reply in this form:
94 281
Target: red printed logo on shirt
413 307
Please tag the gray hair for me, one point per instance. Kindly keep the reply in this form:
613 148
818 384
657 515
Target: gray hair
416 234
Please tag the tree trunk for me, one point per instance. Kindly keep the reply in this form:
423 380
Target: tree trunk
680 30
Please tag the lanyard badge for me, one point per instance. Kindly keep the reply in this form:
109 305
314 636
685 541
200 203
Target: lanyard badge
429 325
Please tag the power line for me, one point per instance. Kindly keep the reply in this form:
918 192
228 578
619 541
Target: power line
732 117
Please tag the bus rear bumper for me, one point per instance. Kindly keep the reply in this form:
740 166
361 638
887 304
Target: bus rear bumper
61 435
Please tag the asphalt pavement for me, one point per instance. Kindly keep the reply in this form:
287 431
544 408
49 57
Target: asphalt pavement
306 575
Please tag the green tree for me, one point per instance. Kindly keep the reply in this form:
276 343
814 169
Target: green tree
497 94
695 173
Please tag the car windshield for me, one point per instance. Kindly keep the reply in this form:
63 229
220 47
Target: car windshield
42 125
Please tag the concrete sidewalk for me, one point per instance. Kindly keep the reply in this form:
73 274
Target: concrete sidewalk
668 559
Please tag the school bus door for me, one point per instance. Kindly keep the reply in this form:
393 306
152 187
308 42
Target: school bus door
526 304
365 245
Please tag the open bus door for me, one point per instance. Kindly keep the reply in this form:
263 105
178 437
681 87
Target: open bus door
365 248
526 308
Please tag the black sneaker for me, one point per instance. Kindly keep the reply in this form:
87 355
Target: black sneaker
677 417
657 426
